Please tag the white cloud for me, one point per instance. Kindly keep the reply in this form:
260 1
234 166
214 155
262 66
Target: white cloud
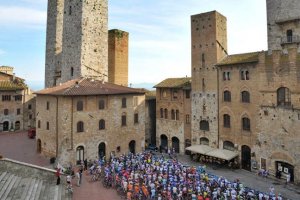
22 17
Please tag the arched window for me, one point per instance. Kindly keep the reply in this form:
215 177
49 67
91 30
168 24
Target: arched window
80 126
246 124
204 125
6 111
227 96
124 102
166 113
79 106
242 75
283 97
172 114
101 124
247 75
72 71
245 97
161 113
226 119
101 104
124 119
177 115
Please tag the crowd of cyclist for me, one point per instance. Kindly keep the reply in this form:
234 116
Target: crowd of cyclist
147 176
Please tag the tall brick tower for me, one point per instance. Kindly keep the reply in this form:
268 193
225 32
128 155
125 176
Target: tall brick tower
118 57
209 45
76 40
283 18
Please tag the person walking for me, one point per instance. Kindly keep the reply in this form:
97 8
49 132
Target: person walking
288 178
78 178
80 174
58 176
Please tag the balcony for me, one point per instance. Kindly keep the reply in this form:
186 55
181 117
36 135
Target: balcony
290 39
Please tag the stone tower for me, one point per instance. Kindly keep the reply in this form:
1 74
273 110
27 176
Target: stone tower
118 57
76 40
283 18
54 42
209 45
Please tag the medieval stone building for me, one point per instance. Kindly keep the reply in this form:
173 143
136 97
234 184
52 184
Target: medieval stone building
89 118
249 103
17 103
173 111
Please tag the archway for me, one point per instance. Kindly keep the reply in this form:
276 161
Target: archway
79 154
132 146
164 143
228 145
101 150
246 157
6 126
204 141
175 144
17 125
285 168
188 143
39 146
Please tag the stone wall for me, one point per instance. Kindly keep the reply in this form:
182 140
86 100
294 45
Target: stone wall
114 135
27 170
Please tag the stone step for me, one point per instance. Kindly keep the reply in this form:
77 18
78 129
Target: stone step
39 189
44 192
3 180
9 188
28 183
2 175
9 178
20 189
56 189
30 189
14 189
35 186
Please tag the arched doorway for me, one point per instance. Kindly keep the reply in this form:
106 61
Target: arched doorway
175 144
246 157
6 126
187 143
164 143
228 145
132 146
38 146
285 168
204 141
101 150
17 125
79 154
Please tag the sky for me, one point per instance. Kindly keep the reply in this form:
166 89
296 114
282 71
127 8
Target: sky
159 35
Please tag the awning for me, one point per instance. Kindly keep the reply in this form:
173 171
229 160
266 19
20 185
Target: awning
202 149
223 154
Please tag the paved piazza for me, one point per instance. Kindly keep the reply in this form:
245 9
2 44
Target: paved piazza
19 147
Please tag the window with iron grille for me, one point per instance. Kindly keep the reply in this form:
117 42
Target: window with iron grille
18 98
6 97
18 111
204 125
6 111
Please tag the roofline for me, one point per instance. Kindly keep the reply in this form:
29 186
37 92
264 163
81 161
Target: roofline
236 63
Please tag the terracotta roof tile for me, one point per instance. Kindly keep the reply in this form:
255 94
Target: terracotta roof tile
87 86
175 83
239 59
12 85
